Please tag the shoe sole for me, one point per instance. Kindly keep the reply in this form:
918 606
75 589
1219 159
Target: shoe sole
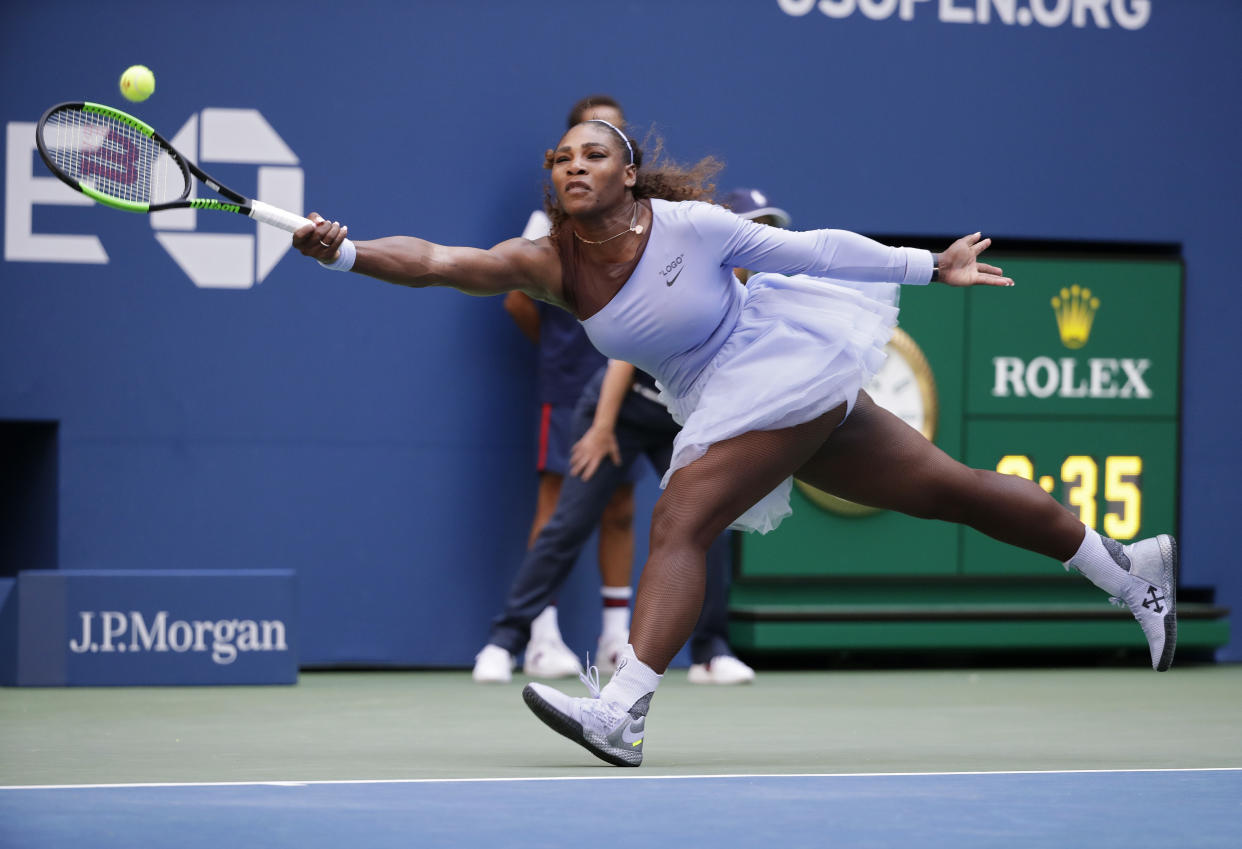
1168 553
565 726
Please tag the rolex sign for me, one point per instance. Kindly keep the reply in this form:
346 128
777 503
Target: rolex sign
1077 338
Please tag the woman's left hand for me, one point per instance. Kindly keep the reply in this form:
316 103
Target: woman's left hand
960 266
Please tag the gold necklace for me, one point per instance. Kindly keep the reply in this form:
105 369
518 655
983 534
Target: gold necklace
634 227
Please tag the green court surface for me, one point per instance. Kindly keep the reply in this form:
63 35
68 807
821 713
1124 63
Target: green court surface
441 725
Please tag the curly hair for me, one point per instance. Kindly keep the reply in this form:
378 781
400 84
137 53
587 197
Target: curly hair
661 178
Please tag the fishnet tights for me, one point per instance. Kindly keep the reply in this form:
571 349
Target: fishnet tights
874 458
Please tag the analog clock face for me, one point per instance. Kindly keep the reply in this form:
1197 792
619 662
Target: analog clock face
895 387
904 386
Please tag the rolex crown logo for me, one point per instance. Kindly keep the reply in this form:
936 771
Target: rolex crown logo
1075 310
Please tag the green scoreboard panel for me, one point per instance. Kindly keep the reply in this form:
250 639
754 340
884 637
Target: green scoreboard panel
1074 383
1071 378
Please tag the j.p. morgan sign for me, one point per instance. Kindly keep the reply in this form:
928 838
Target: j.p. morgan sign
149 627
131 631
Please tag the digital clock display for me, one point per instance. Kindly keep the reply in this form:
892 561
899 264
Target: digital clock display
1080 479
1119 477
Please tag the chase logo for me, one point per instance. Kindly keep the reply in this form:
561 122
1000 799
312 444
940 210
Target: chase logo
211 137
230 260
1075 309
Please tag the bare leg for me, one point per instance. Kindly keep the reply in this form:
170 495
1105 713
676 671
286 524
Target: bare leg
876 459
616 538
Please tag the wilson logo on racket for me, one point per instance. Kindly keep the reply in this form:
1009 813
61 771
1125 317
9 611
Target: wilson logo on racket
122 162
108 156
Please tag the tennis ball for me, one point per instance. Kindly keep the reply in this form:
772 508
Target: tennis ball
137 83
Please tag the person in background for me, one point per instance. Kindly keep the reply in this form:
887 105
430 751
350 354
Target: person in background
566 361
620 419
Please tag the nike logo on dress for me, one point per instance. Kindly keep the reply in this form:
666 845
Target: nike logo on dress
675 276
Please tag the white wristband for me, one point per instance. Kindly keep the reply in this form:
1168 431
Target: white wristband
345 258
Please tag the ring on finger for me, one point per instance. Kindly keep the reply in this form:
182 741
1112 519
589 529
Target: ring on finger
325 244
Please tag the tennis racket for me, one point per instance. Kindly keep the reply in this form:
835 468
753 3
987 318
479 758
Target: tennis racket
122 162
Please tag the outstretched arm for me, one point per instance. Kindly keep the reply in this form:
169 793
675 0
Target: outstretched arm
840 253
532 267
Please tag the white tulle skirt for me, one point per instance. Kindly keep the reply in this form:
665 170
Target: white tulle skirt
801 347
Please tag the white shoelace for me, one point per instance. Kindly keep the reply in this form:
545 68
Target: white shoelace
606 714
590 678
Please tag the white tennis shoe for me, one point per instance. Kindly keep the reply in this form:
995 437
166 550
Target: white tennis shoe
1152 593
493 665
608 730
609 649
722 669
550 658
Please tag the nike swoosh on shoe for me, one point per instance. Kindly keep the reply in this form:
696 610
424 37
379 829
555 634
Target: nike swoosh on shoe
632 734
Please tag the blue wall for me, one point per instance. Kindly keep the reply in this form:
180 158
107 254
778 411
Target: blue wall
379 440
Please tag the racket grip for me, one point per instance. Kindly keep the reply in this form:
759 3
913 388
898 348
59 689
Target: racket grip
276 216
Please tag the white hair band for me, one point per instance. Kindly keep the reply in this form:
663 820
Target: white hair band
618 132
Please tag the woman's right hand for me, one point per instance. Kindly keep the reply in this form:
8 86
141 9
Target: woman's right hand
322 241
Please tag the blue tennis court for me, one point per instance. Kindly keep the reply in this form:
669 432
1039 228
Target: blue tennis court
1137 808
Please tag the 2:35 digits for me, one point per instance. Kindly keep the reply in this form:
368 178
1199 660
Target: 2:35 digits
1080 479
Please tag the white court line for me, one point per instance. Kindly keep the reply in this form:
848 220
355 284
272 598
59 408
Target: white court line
311 782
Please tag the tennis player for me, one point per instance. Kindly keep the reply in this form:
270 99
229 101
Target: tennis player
766 380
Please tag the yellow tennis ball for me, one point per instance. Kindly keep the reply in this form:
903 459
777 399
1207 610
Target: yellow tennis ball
137 83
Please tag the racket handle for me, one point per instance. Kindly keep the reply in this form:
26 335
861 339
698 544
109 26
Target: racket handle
276 216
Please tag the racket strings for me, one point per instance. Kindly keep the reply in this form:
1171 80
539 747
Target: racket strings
112 157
